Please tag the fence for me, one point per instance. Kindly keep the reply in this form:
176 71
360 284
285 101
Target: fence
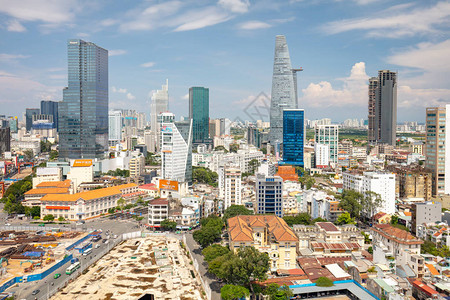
39 228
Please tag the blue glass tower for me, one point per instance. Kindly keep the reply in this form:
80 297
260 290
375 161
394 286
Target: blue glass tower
83 113
293 136
199 113
50 108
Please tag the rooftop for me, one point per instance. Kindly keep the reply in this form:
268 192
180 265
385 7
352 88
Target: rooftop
160 201
54 184
45 191
396 234
82 163
327 226
89 195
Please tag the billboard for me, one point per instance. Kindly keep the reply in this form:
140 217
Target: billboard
165 184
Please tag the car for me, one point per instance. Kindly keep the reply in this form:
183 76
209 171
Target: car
57 275
7 224
41 225
35 292
97 246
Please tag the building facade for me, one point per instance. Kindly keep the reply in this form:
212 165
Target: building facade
199 114
158 211
269 198
159 104
50 108
232 187
328 135
373 84
284 89
5 140
293 136
115 127
83 113
425 213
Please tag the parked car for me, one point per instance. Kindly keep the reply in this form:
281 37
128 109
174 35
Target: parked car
35 292
7 224
57 275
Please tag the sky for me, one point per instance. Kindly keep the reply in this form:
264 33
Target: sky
228 46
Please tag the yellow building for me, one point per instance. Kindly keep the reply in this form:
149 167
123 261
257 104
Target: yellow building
267 233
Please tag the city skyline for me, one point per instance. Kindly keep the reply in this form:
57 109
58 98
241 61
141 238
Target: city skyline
338 45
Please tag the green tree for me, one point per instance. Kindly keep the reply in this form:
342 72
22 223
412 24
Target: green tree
221 148
121 203
34 211
61 219
111 210
206 236
264 150
49 218
234 148
212 252
46 146
26 187
140 201
236 210
53 154
319 219
276 292
253 165
168 224
370 249
371 202
204 175
351 202
233 292
394 219
345 218
324 281
28 155
301 218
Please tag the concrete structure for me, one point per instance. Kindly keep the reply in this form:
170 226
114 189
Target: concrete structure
426 212
83 113
29 113
81 170
412 183
115 127
438 148
158 211
328 135
321 155
46 175
159 104
267 233
33 197
230 186
50 108
137 164
269 199
284 89
5 140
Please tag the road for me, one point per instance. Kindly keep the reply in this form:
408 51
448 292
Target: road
203 267
24 290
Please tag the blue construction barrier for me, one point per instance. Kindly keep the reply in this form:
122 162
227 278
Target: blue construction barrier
7 284
78 242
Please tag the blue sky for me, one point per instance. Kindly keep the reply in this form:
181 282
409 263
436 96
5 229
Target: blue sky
228 46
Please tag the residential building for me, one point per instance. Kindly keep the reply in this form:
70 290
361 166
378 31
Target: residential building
382 184
284 89
158 211
29 113
159 104
137 164
85 205
114 127
321 155
199 114
425 212
83 113
373 84
176 149
269 199
231 187
438 148
293 136
5 140
267 233
385 112
328 135
50 108
327 239
225 126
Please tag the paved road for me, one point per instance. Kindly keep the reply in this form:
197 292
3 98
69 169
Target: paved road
209 278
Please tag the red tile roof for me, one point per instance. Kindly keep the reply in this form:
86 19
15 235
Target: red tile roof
396 234
422 286
328 226
160 201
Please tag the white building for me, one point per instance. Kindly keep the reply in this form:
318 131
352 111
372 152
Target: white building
159 104
81 170
47 174
381 183
322 155
137 164
230 189
328 135
267 168
176 151
115 127
158 211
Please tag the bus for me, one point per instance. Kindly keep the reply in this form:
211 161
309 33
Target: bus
87 251
72 268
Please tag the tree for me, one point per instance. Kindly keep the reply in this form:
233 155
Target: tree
26 187
168 224
121 203
253 165
140 201
46 146
301 218
28 155
371 202
204 175
264 150
49 218
206 236
234 148
212 252
394 219
275 292
53 154
351 202
345 218
220 148
324 281
233 292
236 210
319 219
61 219
111 210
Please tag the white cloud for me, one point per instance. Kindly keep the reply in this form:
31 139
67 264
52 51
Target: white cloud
197 19
186 97
130 96
148 64
15 26
251 25
397 21
116 52
118 90
83 35
236 6
108 22
11 57
353 92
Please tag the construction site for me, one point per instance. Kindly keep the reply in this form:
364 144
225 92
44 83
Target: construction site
155 266
24 253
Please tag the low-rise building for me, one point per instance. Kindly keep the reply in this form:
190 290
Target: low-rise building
267 233
81 170
158 211
425 213
47 174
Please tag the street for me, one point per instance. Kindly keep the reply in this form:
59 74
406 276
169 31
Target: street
210 279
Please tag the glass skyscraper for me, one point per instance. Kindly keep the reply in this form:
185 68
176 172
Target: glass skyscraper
50 108
284 89
199 114
29 113
293 136
83 113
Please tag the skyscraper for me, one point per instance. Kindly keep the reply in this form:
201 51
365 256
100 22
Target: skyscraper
5 140
385 107
373 83
83 113
284 89
50 108
115 127
293 136
328 135
29 113
159 104
199 114
438 148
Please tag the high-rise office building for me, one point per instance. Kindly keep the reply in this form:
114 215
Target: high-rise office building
115 127
293 136
328 135
199 114
159 104
383 108
373 84
29 113
437 149
50 108
176 149
83 113
284 89
5 140
269 195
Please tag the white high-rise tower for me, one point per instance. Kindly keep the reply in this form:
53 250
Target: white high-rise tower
159 104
